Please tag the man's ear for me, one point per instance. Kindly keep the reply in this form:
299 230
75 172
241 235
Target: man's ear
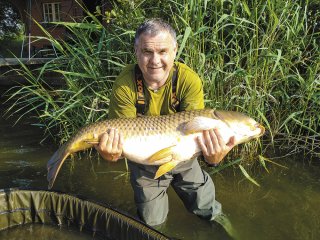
135 49
176 50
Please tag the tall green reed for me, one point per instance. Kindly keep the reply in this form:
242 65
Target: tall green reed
88 69
258 57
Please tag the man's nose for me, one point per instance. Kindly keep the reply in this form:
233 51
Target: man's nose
155 59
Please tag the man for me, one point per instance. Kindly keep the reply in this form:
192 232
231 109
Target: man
155 49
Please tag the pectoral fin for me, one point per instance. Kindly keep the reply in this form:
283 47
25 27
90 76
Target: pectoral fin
164 168
198 124
91 141
165 153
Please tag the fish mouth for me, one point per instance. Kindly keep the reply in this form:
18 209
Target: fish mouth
262 129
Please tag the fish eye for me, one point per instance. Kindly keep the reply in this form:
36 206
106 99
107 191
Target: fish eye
252 128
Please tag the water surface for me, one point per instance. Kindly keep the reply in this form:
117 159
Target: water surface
43 232
286 206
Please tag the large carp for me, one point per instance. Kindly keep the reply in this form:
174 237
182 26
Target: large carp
160 140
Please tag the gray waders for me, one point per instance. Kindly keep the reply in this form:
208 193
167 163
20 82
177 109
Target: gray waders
193 185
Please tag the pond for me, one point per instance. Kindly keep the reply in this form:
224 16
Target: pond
285 206
43 232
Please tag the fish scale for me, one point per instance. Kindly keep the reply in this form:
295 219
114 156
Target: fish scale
160 140
148 125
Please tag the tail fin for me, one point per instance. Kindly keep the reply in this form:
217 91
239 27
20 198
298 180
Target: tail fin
55 163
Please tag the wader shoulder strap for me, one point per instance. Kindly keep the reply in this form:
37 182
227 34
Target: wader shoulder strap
175 103
141 103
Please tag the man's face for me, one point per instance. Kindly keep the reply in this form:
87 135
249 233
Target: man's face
155 55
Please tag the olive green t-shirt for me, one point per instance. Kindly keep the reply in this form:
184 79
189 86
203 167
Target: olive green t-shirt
124 94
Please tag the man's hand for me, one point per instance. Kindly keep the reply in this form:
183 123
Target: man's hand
213 147
110 145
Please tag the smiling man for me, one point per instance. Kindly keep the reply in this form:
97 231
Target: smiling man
158 85
155 55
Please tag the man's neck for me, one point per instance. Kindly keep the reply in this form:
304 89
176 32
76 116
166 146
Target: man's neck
155 85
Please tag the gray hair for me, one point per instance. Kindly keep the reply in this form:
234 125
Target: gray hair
153 27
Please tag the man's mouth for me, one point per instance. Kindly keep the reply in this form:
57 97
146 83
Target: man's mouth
155 67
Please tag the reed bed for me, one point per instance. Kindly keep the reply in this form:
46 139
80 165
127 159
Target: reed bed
259 57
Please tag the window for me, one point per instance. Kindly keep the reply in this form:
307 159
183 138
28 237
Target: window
51 12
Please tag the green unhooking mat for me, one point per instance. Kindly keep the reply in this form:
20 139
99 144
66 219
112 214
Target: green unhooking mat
18 206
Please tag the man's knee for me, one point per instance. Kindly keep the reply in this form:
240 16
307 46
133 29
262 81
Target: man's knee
154 212
198 194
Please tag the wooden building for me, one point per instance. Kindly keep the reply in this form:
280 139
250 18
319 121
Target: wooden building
44 12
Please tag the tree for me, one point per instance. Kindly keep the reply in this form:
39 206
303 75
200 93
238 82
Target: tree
10 22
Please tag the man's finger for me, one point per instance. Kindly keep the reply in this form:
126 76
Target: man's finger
109 143
121 141
231 142
219 138
103 140
209 142
215 142
115 139
202 146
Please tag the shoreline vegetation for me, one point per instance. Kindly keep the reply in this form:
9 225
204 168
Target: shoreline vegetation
257 57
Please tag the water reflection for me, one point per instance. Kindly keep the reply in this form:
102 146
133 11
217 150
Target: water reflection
43 232
284 207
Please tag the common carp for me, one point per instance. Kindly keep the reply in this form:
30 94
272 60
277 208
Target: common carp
160 140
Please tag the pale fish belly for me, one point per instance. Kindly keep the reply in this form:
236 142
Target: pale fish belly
140 148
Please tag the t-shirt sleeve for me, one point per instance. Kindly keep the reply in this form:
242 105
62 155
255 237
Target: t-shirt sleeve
191 92
122 99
